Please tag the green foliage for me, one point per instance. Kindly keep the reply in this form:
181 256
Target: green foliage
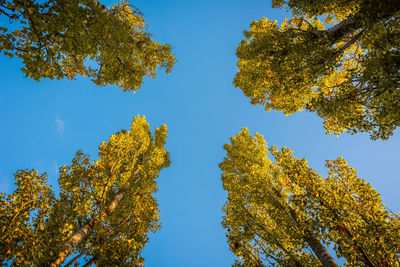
112 197
65 38
274 207
337 58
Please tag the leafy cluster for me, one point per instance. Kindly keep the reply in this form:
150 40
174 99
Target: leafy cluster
337 58
104 212
65 38
22 216
283 213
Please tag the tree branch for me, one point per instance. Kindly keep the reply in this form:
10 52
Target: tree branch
349 43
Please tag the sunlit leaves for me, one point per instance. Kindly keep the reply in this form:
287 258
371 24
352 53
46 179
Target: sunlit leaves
348 72
65 38
112 198
275 207
22 216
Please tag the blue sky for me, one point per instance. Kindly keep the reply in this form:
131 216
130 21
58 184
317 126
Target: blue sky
44 123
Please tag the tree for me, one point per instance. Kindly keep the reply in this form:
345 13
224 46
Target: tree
65 38
337 58
104 212
282 213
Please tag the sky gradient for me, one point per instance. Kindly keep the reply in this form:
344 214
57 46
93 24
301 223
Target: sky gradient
44 123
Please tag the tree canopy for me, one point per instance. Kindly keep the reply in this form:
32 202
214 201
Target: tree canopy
104 211
283 213
337 58
65 38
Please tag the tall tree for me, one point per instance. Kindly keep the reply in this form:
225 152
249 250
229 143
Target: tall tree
104 212
338 58
65 38
282 213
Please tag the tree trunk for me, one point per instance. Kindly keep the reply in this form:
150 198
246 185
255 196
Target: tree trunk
90 263
75 259
84 231
315 244
319 250
355 22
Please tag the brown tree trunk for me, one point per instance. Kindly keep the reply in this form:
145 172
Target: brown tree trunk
90 263
319 250
355 22
315 244
84 231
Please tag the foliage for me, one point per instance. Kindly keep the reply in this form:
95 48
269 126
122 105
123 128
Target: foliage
337 58
66 38
104 211
275 206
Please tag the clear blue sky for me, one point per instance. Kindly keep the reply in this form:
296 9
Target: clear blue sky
44 123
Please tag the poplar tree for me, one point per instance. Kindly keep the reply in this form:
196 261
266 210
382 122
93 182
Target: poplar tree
104 211
65 38
281 212
338 58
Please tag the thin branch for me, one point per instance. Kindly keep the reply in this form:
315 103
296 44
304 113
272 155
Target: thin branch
349 43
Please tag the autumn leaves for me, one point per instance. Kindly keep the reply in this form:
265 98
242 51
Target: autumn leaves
336 58
346 73
63 39
106 208
282 212
104 211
